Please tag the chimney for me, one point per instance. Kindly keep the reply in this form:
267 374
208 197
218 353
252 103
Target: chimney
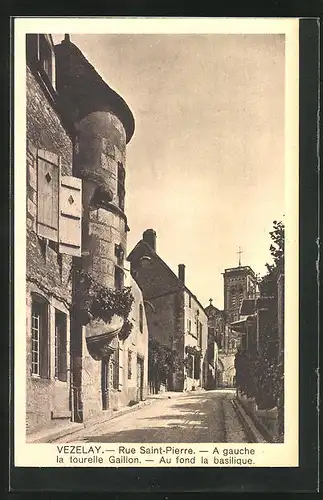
149 236
181 272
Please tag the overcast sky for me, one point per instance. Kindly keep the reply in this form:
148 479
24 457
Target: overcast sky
205 167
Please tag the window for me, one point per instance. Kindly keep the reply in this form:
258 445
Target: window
118 278
120 185
189 300
60 346
129 365
189 326
39 338
119 253
41 57
141 318
46 56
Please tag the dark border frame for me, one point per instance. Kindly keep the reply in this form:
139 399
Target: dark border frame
302 479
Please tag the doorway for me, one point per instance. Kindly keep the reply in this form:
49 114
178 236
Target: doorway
140 378
105 383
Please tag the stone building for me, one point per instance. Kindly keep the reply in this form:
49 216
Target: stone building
175 317
239 283
77 131
226 343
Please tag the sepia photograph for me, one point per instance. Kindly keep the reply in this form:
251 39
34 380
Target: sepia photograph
158 232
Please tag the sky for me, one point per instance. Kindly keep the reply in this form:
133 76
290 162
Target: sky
205 167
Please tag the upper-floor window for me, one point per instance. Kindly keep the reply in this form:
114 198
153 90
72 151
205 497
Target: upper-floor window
39 338
121 185
141 318
189 300
119 253
189 326
46 56
40 52
60 346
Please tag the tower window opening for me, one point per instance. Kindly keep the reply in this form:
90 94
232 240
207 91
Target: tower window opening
121 185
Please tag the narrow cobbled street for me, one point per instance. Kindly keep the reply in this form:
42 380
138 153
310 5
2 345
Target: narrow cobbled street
201 417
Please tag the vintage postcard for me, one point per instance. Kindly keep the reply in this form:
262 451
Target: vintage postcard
156 254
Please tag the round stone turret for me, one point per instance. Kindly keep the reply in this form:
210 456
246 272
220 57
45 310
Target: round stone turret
104 125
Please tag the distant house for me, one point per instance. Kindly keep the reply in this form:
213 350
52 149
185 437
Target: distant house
216 344
226 343
176 319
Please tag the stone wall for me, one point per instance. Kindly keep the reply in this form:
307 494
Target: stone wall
193 312
45 129
137 343
161 318
47 272
153 276
100 146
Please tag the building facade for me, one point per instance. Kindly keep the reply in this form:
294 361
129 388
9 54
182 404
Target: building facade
226 342
77 132
239 283
175 317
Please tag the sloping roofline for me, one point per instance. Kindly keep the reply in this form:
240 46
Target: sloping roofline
182 286
99 93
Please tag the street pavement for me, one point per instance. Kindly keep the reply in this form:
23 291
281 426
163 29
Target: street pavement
200 417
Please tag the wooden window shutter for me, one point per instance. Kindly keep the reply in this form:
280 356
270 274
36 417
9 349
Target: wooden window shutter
47 198
70 216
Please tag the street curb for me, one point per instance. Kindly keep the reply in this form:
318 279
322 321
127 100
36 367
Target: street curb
250 428
55 434
98 421
258 425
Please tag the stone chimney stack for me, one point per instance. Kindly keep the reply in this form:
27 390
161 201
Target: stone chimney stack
149 236
181 272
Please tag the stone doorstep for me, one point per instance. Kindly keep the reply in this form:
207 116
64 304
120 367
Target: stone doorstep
254 426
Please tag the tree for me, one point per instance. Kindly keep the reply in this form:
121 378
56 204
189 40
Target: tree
268 284
162 363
